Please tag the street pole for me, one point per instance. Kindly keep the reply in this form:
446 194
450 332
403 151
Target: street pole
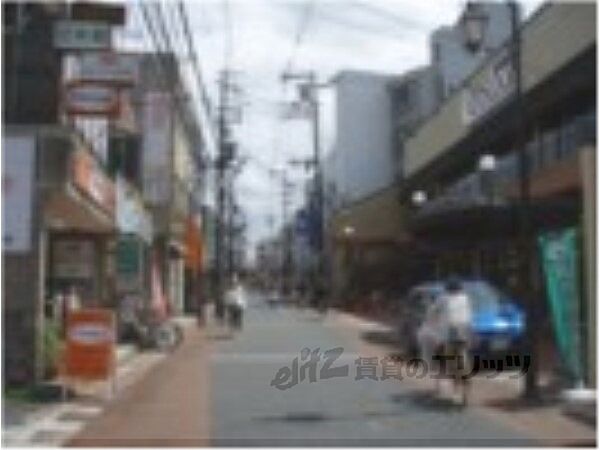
220 188
525 237
320 298
312 85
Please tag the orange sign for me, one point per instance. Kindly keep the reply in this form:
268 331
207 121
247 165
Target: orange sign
88 177
90 349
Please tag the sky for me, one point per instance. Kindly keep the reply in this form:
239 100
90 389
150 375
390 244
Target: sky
259 39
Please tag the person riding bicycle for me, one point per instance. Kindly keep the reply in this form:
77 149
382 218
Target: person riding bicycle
235 302
457 313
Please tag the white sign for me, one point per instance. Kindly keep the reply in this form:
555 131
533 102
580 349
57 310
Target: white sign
108 67
497 83
91 99
156 142
82 35
18 161
91 334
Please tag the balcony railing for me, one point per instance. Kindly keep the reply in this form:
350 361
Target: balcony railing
478 189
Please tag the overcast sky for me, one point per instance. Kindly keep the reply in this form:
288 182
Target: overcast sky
259 38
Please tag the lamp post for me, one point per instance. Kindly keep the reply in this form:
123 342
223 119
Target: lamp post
525 243
474 23
487 166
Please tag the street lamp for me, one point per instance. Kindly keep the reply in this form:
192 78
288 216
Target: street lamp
487 163
474 23
487 166
419 197
349 231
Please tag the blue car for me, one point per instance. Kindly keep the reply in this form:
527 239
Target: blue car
498 323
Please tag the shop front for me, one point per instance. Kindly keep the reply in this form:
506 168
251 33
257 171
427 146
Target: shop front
78 221
133 253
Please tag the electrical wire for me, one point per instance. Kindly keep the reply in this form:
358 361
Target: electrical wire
309 11
383 13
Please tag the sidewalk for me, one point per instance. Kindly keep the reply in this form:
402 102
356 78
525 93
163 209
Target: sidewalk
170 405
498 398
28 424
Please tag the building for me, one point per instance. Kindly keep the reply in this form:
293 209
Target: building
464 161
103 196
59 199
454 55
376 116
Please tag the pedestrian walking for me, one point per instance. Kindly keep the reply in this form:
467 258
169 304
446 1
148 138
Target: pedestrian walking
235 303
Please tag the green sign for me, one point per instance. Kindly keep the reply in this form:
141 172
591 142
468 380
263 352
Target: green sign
128 256
560 257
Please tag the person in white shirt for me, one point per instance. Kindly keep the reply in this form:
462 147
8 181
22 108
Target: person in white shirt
235 301
457 313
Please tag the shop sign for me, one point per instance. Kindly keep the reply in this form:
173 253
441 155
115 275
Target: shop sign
132 217
128 256
90 344
91 180
90 98
73 259
18 161
156 142
108 67
82 35
129 264
488 90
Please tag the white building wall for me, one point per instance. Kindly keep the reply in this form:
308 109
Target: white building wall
361 161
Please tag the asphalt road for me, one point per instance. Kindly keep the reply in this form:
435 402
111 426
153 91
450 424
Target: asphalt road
248 411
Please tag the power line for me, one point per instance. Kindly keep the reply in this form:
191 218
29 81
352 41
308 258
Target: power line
228 43
194 59
300 33
400 20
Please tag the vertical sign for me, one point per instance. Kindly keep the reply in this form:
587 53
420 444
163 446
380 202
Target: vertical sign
490 89
18 161
560 257
156 141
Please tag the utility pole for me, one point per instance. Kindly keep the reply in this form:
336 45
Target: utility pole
223 181
309 93
286 261
220 188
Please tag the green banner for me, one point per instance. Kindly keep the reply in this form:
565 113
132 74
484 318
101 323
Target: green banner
560 258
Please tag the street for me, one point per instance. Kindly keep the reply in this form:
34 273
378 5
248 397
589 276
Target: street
334 412
171 405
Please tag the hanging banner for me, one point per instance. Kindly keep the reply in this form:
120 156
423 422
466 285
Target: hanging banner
156 141
560 258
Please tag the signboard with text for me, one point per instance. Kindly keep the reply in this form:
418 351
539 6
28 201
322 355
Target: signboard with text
89 98
82 35
18 168
88 177
90 344
107 67
156 139
490 89
73 258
